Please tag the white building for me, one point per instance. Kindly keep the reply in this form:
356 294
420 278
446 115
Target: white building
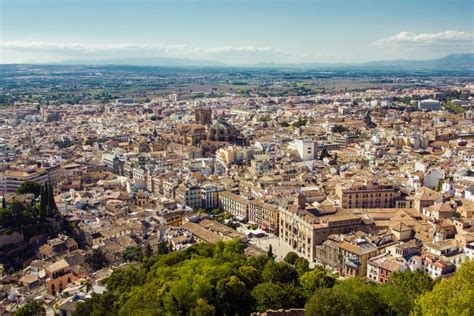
469 193
432 177
307 148
429 105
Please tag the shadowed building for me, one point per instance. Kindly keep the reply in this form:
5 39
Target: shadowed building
203 116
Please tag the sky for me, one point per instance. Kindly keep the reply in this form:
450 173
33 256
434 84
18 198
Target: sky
235 32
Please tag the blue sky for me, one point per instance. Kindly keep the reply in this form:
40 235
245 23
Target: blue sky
235 31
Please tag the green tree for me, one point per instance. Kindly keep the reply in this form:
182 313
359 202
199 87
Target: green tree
270 295
249 275
453 296
339 129
279 272
43 209
16 216
291 257
324 154
29 187
258 262
301 122
148 251
403 288
316 279
97 260
34 308
132 253
270 252
453 107
163 248
84 308
203 308
233 296
349 297
301 265
51 203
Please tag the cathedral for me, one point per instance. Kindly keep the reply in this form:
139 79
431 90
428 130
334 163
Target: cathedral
207 133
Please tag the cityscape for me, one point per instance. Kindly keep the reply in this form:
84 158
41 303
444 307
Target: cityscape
225 177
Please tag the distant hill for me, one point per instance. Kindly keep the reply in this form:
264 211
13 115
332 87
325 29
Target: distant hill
155 61
450 62
455 61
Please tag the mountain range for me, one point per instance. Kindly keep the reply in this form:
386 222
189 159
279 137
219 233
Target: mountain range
451 62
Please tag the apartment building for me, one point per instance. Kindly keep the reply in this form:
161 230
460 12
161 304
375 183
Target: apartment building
58 276
210 196
10 180
303 231
264 215
372 195
355 256
189 195
234 204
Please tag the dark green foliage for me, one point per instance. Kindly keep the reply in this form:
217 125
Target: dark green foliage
18 216
324 154
163 248
52 208
368 121
300 123
258 262
220 280
270 295
270 252
403 289
233 296
339 129
279 272
43 212
351 297
301 265
291 257
203 308
453 107
316 279
34 308
147 251
133 253
29 187
97 260
249 275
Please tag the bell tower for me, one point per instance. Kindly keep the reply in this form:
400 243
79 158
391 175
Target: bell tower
203 116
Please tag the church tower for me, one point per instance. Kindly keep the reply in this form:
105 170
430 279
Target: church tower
203 116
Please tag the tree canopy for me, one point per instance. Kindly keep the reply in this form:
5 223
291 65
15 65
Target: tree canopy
220 280
338 128
34 308
18 215
29 187
453 296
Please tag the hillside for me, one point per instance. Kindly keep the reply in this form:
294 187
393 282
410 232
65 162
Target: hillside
221 280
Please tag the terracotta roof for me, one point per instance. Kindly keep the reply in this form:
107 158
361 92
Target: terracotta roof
400 227
58 265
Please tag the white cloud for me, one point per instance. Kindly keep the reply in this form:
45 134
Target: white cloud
55 51
54 46
446 38
239 49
